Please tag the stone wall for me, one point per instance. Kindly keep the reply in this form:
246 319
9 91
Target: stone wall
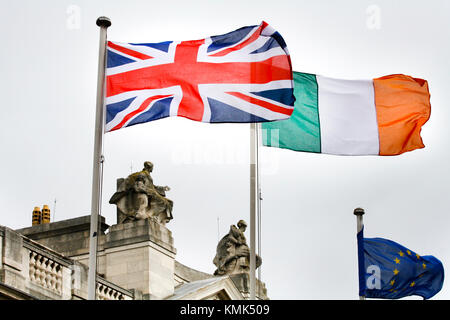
30 270
141 255
137 255
135 260
68 237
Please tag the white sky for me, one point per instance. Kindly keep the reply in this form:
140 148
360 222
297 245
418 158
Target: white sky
48 63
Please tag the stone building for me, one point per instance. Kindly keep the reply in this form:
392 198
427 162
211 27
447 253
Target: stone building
135 257
136 261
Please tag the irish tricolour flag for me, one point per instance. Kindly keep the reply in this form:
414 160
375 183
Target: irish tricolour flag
382 116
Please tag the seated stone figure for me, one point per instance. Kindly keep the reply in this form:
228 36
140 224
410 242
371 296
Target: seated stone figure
233 253
138 198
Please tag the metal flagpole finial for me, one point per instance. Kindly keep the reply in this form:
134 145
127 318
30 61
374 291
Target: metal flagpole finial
103 22
358 211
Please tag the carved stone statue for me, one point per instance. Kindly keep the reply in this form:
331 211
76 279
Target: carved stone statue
233 253
138 198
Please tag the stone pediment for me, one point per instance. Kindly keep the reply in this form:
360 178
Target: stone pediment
215 288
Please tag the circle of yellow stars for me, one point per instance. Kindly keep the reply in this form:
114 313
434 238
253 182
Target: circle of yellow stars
396 271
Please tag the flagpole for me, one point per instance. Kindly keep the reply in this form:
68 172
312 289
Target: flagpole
103 23
253 204
259 198
359 212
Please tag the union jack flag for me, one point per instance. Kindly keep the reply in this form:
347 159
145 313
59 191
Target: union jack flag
241 76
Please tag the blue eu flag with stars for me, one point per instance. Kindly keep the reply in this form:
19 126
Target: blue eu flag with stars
390 271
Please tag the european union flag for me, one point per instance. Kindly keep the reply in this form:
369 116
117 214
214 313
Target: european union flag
390 271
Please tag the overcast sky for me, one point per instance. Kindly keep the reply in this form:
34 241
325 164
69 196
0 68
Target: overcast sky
48 64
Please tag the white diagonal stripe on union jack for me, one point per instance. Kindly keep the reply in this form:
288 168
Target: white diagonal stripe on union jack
241 76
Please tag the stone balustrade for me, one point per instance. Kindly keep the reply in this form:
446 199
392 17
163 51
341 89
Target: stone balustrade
30 270
108 291
45 272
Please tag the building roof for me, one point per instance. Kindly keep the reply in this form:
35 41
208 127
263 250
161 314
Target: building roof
212 288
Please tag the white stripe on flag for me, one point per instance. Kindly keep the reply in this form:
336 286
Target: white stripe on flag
347 114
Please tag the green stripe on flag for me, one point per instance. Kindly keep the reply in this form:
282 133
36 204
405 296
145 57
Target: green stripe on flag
301 132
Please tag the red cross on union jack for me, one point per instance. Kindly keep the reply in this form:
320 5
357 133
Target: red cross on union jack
242 76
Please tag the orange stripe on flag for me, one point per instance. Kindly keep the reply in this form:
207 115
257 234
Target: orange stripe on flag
403 107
